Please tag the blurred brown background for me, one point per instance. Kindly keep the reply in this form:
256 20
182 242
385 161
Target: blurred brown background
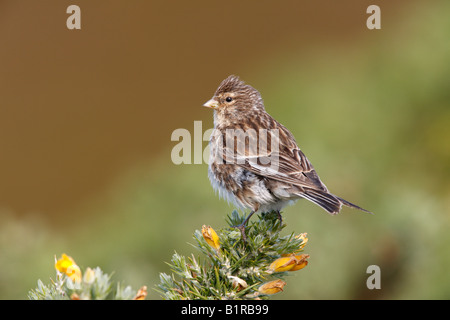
79 107
86 117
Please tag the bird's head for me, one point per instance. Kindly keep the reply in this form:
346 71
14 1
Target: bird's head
233 95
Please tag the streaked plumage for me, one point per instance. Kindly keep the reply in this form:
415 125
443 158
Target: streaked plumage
243 176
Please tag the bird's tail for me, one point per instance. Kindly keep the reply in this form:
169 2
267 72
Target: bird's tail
352 205
331 203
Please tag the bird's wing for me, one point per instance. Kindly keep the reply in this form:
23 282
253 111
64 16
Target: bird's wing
280 160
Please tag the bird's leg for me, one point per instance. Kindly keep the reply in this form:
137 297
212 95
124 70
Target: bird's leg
279 217
241 227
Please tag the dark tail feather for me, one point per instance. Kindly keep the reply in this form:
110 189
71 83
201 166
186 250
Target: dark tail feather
351 205
323 199
328 201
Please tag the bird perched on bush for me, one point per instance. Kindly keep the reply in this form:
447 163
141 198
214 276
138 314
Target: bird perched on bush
255 162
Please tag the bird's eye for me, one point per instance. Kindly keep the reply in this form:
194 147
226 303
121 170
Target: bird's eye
229 99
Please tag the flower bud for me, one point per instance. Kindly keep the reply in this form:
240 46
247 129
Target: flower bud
272 287
304 239
301 236
211 237
282 264
89 276
238 283
141 294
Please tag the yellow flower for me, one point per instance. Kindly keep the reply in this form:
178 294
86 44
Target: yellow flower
141 294
282 264
272 287
62 264
291 263
211 237
303 237
300 262
68 266
74 273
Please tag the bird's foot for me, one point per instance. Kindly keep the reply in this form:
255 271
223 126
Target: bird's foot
241 228
280 217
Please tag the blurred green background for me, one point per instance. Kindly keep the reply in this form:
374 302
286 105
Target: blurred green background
86 119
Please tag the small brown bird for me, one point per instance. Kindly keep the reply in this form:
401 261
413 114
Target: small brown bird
255 162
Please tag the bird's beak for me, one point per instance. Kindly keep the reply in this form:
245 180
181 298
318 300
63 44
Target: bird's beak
213 104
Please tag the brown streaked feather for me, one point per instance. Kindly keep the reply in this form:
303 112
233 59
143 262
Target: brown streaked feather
230 84
294 166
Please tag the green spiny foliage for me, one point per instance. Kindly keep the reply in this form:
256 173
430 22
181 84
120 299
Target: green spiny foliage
237 269
95 285
229 269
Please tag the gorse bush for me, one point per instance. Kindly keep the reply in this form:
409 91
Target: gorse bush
229 268
233 268
72 284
